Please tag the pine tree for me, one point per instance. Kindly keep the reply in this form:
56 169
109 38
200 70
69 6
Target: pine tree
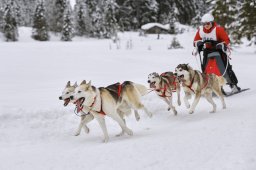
247 19
40 28
82 20
126 15
166 12
184 10
67 30
10 28
202 7
110 22
98 23
148 12
56 14
224 12
1 17
94 14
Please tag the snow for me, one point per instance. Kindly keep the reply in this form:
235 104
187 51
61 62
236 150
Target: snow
37 131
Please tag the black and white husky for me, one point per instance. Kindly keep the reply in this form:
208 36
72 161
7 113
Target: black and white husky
114 101
164 85
196 83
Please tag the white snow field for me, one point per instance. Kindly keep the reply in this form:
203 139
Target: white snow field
37 132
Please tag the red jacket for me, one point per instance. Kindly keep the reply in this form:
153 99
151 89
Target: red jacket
216 33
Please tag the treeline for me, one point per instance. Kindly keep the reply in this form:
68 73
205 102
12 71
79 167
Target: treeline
104 18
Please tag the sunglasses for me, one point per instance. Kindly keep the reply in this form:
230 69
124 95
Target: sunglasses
207 23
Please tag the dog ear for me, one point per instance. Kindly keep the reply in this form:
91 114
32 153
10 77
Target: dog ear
89 84
83 82
68 84
75 85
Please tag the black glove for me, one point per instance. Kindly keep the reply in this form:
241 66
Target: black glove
221 46
199 45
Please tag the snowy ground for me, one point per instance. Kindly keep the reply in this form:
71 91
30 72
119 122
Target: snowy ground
37 131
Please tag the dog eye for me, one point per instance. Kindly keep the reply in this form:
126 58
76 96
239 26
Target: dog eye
79 92
67 93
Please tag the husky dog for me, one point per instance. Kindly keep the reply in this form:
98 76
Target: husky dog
66 94
164 85
105 101
197 83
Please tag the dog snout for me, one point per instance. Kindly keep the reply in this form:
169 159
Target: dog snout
148 81
72 97
60 98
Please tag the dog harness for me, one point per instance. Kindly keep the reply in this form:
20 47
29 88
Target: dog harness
101 110
191 84
165 87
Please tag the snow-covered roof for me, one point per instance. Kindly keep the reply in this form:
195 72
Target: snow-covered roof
151 25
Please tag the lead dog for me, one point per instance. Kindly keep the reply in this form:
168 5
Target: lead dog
164 85
86 118
197 83
68 91
103 101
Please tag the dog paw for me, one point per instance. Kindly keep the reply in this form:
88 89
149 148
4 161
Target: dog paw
150 114
86 130
175 112
191 112
77 134
137 118
168 108
213 111
120 134
129 132
105 140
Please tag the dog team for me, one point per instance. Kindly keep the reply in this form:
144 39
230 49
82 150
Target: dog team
120 100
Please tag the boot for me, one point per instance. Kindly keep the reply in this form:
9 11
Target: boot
234 88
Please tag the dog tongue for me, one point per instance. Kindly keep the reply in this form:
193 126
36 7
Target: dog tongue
66 101
78 105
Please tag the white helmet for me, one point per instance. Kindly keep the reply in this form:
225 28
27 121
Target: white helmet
207 18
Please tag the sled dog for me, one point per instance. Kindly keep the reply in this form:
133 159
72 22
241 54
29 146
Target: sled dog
197 83
114 101
164 85
69 91
86 118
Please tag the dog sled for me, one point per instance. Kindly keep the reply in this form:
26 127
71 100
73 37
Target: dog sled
216 61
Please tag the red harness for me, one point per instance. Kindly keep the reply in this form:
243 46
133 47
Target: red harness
165 87
118 93
190 86
101 111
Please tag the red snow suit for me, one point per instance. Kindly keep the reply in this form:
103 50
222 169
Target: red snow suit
216 33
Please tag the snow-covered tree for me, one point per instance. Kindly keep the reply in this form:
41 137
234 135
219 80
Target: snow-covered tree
148 11
247 21
184 10
82 20
98 23
67 30
10 28
95 15
125 15
224 12
56 9
40 28
110 22
202 7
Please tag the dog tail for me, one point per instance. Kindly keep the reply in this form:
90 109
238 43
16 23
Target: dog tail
141 88
222 81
